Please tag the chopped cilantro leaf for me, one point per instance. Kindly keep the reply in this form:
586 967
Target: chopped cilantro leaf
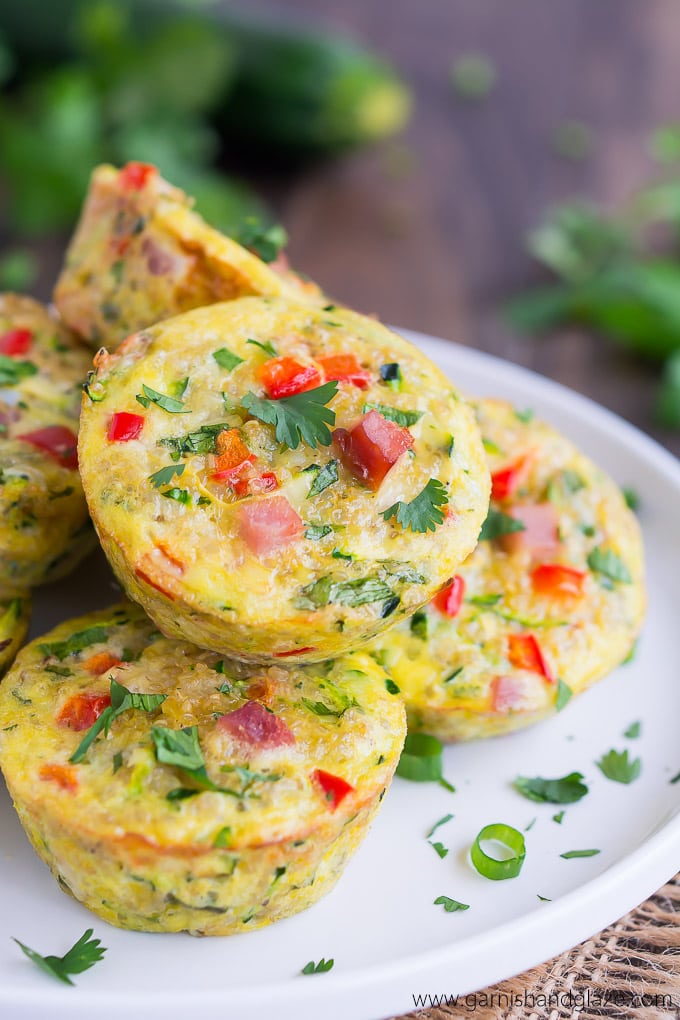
395 414
227 359
81 956
200 441
169 404
327 475
317 531
303 417
13 371
449 905
265 241
606 562
440 849
178 747
633 730
122 700
424 513
418 625
497 524
558 817
569 854
566 790
564 695
179 495
265 346
391 687
632 499
442 821
322 967
359 592
615 765
165 475
76 643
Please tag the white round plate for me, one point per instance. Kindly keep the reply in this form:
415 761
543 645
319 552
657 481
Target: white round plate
390 943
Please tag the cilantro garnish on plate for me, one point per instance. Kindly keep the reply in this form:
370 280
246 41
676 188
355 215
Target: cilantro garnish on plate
81 956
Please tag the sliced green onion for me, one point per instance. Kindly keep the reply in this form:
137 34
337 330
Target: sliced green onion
421 760
491 867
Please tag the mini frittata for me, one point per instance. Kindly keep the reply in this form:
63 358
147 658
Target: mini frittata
273 480
551 600
15 615
171 790
44 525
141 254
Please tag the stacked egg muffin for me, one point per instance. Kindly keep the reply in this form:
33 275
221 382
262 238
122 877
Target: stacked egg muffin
297 503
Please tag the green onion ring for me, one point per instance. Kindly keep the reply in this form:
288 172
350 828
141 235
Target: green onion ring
491 867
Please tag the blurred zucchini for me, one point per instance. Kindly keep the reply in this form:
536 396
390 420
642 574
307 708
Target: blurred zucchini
308 93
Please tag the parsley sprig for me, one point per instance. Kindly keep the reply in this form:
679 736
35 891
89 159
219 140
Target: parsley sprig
322 967
424 513
301 418
617 766
122 700
81 956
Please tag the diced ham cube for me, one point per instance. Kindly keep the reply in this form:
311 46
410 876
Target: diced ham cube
540 530
372 447
269 524
256 726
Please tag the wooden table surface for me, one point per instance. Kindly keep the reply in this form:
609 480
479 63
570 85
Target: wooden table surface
429 233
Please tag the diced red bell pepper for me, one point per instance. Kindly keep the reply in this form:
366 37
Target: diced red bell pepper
16 341
57 442
345 368
99 663
525 652
82 710
506 481
295 651
508 694
284 377
266 482
450 599
124 426
334 788
554 579
269 524
63 775
372 447
134 176
256 726
143 576
540 536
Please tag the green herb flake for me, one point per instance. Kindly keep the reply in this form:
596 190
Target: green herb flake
223 838
525 416
265 346
569 854
564 695
326 476
497 524
424 513
633 731
227 359
675 779
13 371
166 474
359 592
544 899
317 531
265 241
558 817
182 496
449 905
322 967
303 417
162 400
632 498
607 563
122 700
566 790
391 374
62 671
117 762
437 825
418 624
76 643
81 956
200 441
616 765
395 414
391 687
440 849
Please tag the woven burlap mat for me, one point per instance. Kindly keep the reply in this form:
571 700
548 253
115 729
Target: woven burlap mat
630 971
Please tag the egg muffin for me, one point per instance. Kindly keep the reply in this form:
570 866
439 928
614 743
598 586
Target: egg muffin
141 254
550 601
171 790
276 481
15 616
44 524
